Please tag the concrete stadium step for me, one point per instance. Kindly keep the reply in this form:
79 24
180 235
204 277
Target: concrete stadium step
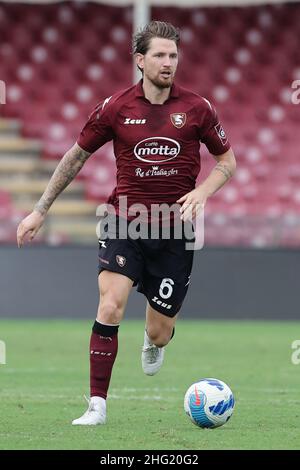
18 146
25 176
10 127
25 188
13 165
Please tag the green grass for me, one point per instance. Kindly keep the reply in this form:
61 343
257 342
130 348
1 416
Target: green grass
46 375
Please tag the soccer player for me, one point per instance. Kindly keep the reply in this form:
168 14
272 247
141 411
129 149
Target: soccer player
156 127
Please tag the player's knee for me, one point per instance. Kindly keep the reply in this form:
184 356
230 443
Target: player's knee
110 311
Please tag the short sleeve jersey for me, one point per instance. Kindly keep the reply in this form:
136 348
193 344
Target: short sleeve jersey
157 147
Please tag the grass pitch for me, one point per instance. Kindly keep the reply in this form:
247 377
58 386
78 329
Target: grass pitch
46 375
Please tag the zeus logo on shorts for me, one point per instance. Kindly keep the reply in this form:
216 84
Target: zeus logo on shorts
161 303
156 149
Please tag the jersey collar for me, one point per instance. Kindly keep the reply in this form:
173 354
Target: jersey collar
139 92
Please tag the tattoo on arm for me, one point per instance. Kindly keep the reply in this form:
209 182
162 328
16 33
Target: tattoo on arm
65 172
224 169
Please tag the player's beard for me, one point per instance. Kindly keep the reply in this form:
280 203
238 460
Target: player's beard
161 83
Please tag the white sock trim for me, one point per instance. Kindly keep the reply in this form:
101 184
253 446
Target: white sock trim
107 324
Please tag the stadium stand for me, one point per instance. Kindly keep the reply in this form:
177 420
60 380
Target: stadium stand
58 60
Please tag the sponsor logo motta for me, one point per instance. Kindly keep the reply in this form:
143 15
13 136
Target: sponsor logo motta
135 121
156 149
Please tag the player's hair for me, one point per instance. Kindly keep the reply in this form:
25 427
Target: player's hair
154 29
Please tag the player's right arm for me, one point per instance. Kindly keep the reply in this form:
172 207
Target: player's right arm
96 132
65 172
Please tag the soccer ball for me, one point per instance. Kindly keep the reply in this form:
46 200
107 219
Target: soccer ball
209 403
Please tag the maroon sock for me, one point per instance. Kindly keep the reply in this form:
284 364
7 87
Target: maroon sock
103 352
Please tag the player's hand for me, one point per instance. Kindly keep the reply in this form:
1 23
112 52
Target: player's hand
29 226
192 203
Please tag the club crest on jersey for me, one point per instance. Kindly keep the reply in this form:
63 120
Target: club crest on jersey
121 260
178 119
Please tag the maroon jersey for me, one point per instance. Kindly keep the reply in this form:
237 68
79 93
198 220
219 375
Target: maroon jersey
156 146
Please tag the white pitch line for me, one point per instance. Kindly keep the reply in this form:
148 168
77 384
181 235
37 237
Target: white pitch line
267 390
11 370
47 397
147 389
137 397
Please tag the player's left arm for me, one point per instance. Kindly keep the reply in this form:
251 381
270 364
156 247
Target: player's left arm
194 201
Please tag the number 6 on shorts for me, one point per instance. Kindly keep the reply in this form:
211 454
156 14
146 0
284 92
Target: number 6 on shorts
166 285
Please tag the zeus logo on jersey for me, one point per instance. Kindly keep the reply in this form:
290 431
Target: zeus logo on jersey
156 149
135 121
